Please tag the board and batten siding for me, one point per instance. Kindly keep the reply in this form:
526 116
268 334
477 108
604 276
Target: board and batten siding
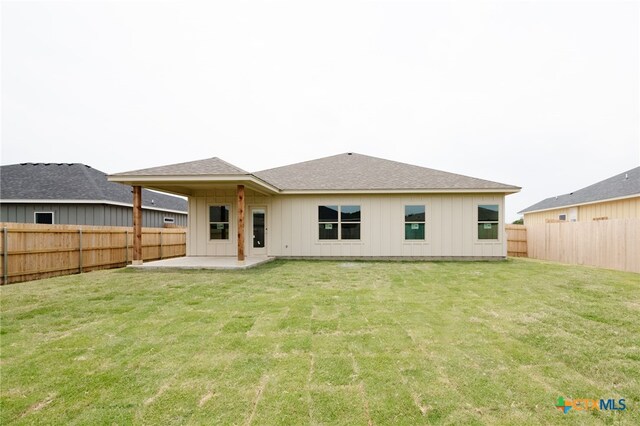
198 242
87 214
292 225
628 208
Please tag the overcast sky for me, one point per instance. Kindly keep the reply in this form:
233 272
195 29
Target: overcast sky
543 95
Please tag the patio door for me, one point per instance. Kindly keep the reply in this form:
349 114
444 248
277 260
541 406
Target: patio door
258 231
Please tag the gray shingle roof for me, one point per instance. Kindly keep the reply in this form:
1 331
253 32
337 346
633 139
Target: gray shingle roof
209 166
351 171
73 181
621 185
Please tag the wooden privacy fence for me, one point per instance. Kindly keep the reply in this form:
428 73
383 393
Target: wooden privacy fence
611 244
31 251
516 240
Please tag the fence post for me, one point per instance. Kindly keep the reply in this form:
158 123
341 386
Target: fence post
80 249
5 253
160 245
126 247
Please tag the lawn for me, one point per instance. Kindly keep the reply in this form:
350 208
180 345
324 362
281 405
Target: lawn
304 342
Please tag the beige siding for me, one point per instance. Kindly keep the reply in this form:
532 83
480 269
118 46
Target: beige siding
198 243
619 209
292 225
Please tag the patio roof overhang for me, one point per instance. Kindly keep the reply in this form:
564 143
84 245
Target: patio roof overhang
188 185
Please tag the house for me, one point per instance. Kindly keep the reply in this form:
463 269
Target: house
63 193
343 206
617 197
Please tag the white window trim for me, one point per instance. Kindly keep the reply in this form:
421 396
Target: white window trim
53 218
339 224
167 219
230 222
404 222
477 222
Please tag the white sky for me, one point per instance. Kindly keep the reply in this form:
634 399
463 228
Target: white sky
543 95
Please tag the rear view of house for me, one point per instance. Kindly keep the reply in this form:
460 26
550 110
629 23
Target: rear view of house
617 197
344 206
76 194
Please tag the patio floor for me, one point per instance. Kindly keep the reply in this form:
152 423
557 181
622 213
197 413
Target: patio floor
205 262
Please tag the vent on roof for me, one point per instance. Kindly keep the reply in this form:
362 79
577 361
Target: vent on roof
626 176
349 153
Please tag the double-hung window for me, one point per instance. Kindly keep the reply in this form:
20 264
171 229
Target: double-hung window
414 222
219 222
488 221
339 222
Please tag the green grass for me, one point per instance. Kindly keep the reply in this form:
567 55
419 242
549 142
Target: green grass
303 342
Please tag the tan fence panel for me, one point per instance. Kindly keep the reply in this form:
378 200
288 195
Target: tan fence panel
611 244
40 251
516 240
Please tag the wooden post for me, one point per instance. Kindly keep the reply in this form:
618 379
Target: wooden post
80 249
126 248
160 236
5 255
137 225
240 197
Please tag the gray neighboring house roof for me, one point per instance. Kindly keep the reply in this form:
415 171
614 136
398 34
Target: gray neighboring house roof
209 166
351 171
74 181
622 185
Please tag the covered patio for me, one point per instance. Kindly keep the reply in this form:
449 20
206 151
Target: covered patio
206 262
226 205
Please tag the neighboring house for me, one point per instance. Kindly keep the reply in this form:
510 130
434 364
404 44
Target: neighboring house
62 193
615 198
347 205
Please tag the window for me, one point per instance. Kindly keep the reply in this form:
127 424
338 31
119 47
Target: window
169 220
350 222
414 221
43 217
339 222
488 221
562 217
219 222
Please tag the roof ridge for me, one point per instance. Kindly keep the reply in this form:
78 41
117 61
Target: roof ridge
388 161
229 164
92 181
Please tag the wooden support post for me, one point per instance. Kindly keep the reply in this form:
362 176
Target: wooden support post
160 236
126 248
240 197
137 225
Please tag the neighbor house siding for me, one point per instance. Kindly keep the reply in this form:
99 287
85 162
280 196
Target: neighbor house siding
292 226
628 208
87 214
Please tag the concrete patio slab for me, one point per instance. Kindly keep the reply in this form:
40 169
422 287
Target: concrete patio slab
205 262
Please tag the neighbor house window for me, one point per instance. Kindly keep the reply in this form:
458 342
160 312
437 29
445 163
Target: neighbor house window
339 222
414 221
488 221
43 217
219 222
169 220
562 217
